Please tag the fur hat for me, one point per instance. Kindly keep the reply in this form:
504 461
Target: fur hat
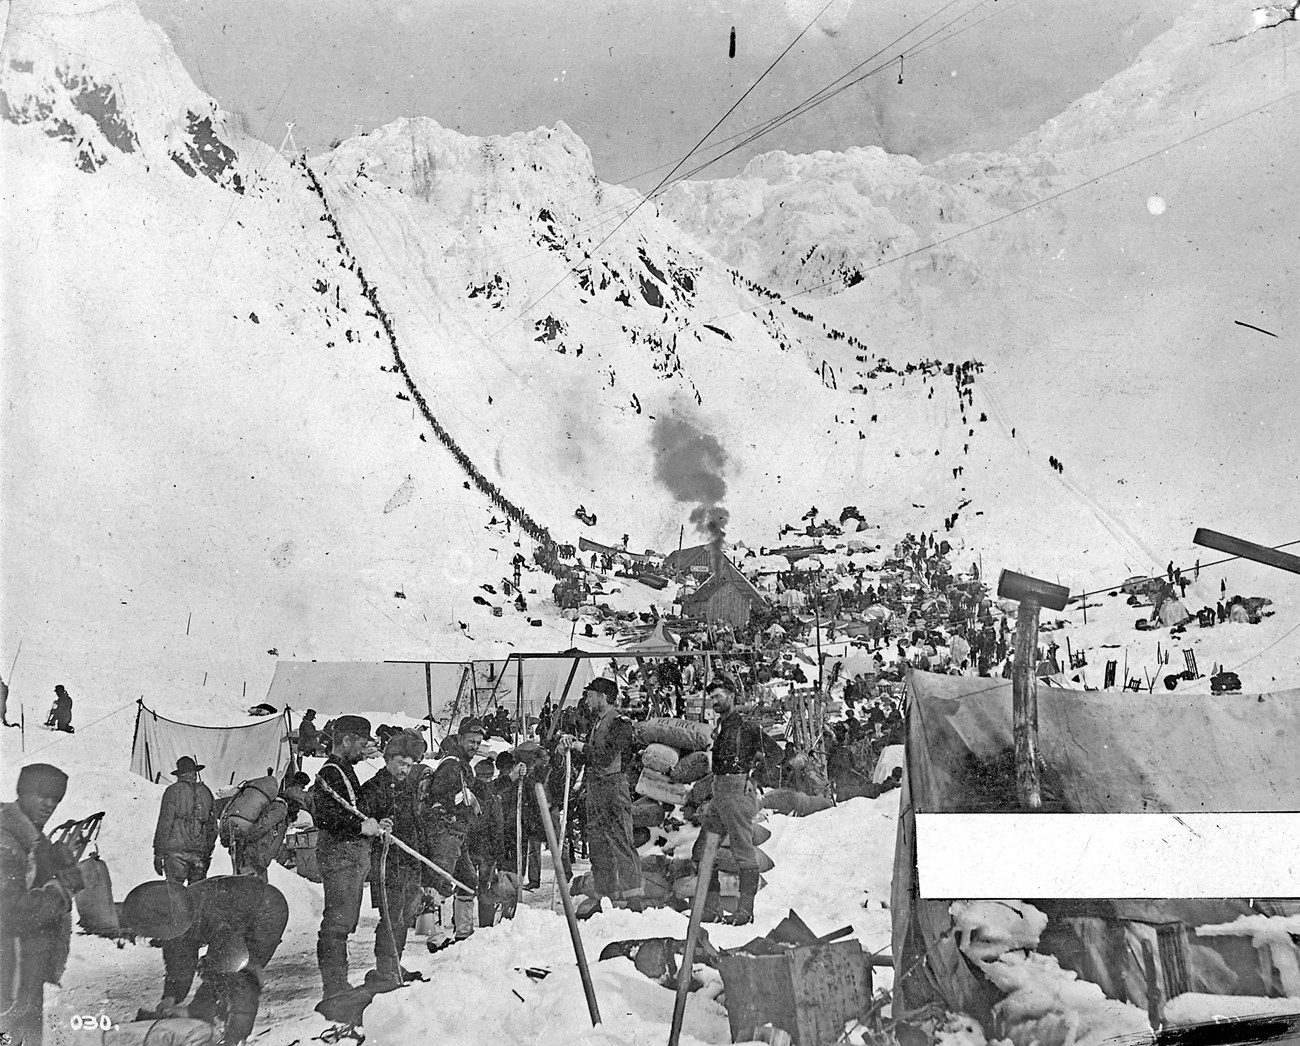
42 779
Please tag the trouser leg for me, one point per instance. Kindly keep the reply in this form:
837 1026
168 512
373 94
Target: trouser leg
625 862
343 868
485 870
534 864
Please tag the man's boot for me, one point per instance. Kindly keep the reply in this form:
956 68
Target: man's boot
333 967
712 912
462 917
744 913
386 976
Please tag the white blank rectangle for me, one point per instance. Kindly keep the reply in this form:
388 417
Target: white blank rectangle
975 856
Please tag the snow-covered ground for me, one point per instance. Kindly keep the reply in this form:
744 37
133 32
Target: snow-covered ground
209 464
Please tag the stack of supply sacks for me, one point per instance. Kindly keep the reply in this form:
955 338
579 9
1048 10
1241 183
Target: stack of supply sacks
675 782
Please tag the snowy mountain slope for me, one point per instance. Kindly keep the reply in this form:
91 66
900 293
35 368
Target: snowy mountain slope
204 461
559 376
1105 316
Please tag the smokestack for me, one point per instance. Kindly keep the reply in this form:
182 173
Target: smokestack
715 547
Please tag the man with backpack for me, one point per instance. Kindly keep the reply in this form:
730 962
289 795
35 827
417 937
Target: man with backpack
449 807
254 841
186 833
394 874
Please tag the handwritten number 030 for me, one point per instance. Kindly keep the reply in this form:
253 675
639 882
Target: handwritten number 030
102 1022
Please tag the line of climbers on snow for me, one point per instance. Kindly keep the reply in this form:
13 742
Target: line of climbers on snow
547 551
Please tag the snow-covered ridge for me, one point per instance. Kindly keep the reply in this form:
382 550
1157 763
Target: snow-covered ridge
105 80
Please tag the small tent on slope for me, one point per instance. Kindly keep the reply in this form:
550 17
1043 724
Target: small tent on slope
1102 753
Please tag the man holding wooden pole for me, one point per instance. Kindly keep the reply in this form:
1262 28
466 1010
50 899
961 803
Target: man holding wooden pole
615 865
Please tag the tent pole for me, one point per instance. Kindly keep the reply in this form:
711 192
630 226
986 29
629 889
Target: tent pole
564 696
519 702
473 682
428 694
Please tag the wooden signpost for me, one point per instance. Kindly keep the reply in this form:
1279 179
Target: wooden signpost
1032 594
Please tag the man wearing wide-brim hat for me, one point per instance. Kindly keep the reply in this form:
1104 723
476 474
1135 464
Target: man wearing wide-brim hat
187 826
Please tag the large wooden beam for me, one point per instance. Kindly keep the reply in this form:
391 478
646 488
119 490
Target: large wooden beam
1033 594
1024 706
1247 550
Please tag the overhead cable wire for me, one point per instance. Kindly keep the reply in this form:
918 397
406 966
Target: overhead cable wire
537 301
1019 210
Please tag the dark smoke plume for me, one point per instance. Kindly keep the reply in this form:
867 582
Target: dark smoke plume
689 463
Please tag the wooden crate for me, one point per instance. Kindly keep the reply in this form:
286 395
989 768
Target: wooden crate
810 992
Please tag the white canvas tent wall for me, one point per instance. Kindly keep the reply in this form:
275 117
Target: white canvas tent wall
229 754
444 690
411 688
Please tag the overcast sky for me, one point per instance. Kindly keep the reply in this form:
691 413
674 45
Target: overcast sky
642 80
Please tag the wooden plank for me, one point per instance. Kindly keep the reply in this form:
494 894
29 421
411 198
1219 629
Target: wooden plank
832 985
1247 550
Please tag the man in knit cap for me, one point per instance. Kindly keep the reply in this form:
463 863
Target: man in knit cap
342 850
37 882
394 874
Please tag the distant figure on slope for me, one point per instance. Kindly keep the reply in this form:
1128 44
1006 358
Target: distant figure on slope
61 711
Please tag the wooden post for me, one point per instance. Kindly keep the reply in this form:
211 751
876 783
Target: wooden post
1033 594
569 915
428 695
519 841
519 702
1024 705
564 810
711 841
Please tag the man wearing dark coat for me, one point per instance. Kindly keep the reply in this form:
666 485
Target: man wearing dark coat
394 874
237 922
186 833
615 864
342 850
737 754
37 882
450 808
485 839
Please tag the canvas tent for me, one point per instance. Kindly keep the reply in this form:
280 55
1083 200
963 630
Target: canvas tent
443 690
411 688
229 754
1102 752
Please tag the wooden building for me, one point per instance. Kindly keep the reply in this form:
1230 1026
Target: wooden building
696 562
727 596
